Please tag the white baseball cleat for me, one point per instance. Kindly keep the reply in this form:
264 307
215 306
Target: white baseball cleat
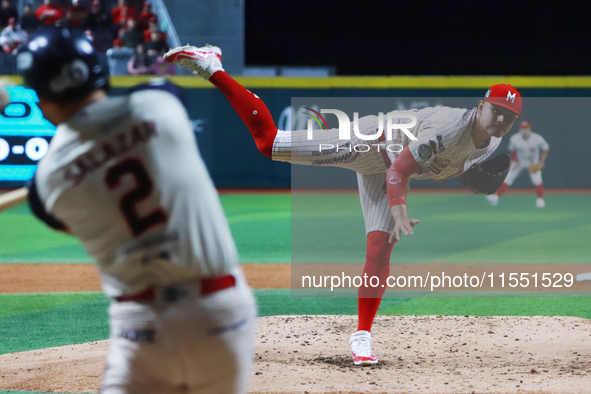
202 61
493 199
540 203
361 347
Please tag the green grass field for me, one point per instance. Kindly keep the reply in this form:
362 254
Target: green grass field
260 224
276 228
454 228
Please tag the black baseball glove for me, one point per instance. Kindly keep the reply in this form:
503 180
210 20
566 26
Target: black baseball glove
487 177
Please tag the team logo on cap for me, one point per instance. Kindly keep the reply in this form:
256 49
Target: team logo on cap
511 97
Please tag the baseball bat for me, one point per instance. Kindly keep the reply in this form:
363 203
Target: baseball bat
13 198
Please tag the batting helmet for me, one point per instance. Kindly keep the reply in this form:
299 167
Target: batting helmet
60 64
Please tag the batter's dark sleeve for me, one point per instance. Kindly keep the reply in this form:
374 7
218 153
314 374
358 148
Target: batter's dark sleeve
38 209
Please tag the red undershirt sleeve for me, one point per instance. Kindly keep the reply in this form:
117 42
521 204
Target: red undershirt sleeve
397 176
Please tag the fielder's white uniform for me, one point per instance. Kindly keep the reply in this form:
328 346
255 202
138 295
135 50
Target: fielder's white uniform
124 175
444 148
528 153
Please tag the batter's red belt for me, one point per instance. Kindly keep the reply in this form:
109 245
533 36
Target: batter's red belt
172 293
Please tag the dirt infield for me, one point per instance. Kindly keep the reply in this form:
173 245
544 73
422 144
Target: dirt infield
427 354
47 278
310 354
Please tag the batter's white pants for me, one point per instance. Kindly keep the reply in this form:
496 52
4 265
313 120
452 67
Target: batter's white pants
294 147
193 345
515 170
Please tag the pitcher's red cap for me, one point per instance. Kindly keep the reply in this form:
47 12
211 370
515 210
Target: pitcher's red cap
524 125
505 96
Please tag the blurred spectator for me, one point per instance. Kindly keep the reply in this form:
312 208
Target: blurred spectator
154 26
76 14
49 13
131 36
7 11
99 21
122 13
145 16
98 18
159 67
98 46
156 46
12 36
118 56
29 21
143 64
139 63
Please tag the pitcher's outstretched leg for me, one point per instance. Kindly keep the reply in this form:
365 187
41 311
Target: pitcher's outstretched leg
206 62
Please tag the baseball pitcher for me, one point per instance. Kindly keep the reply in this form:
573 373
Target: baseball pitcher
449 142
529 151
124 175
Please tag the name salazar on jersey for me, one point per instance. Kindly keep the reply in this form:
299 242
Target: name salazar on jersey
111 148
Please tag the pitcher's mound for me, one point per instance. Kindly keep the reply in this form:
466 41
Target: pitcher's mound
418 354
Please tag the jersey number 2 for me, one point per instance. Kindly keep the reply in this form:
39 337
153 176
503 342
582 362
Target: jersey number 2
142 190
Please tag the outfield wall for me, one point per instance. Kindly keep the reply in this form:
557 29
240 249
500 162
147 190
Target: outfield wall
234 161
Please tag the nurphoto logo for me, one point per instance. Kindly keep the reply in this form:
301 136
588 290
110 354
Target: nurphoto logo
392 124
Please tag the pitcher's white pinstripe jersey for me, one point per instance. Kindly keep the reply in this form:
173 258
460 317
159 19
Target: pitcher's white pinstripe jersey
325 149
444 148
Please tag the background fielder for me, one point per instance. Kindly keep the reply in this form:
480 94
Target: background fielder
529 151
124 175
450 141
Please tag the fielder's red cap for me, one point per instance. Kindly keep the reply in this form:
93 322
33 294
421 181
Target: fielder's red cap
524 125
505 96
